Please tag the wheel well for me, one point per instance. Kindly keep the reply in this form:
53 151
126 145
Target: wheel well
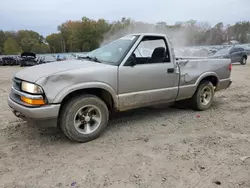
101 93
245 56
212 79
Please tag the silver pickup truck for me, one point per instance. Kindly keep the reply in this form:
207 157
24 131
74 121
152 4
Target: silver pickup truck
81 94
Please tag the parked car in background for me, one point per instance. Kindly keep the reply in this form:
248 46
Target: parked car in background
1 62
28 59
236 54
9 61
46 59
247 50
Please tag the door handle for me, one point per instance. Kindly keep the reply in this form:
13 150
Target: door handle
170 70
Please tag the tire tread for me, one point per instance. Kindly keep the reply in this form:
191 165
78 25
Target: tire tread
194 101
66 128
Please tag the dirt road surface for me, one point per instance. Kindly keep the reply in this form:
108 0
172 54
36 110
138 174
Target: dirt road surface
149 148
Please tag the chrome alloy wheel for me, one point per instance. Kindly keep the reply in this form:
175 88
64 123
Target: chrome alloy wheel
87 119
206 95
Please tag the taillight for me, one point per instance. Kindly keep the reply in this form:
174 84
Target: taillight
230 67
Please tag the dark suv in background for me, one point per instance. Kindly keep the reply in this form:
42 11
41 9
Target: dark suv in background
236 54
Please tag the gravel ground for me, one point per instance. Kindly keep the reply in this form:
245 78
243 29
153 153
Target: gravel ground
151 147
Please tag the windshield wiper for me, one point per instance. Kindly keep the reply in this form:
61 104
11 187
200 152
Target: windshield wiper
95 59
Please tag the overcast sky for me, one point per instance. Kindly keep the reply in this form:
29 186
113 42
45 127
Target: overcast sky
44 16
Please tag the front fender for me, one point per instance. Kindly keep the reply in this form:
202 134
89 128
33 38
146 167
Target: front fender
79 86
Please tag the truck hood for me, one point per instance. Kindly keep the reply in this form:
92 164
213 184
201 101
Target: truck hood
32 74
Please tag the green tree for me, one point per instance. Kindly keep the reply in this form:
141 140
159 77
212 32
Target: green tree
87 34
11 34
66 30
28 43
11 47
55 42
2 39
21 34
239 31
28 38
40 48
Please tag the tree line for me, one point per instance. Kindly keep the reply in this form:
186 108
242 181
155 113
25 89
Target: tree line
87 34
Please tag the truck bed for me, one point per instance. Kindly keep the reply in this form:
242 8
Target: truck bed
193 69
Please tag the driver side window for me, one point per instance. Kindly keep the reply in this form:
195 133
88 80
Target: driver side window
152 49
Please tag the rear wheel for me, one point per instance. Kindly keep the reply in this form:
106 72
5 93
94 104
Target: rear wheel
203 97
243 61
84 118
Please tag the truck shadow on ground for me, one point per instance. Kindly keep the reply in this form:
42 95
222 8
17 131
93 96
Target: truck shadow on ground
23 131
29 131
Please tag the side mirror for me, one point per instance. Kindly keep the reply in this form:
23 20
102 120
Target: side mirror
131 61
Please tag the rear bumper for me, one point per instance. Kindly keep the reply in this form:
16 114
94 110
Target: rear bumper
39 113
224 84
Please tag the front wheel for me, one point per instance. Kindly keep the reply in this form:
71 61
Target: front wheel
203 97
84 118
243 61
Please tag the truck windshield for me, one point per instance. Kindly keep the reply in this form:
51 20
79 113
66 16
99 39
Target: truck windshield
113 52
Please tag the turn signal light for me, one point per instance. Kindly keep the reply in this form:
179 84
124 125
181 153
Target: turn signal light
32 101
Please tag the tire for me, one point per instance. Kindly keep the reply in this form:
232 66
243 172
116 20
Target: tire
243 61
84 128
197 102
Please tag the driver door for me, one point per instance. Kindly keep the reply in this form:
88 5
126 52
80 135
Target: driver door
151 80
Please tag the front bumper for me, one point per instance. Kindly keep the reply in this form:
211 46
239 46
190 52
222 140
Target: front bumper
42 112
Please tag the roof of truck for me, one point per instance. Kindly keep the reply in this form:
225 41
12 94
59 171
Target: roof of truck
154 34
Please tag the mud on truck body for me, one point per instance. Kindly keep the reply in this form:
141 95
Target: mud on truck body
81 94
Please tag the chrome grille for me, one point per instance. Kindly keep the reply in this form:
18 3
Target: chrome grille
17 84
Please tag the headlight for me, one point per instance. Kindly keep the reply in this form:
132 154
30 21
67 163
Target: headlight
31 88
